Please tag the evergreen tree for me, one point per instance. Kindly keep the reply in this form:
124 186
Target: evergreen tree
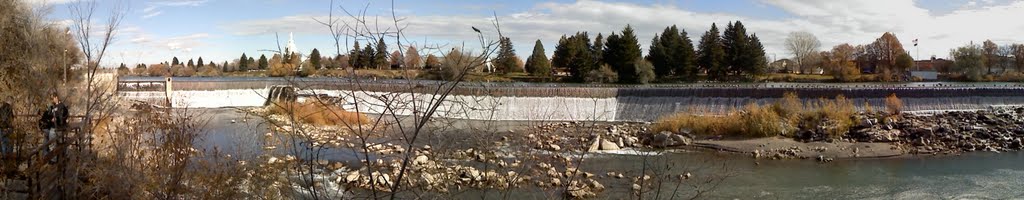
224 67
738 55
191 64
621 53
537 64
688 57
174 61
199 63
574 53
598 50
380 58
243 64
250 63
671 53
367 57
314 59
712 54
263 64
212 64
758 61
355 56
505 61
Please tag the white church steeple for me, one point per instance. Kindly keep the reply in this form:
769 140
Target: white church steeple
290 48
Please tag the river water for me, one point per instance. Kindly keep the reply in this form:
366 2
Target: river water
968 176
971 176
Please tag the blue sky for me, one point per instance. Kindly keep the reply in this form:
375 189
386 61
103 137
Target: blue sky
219 30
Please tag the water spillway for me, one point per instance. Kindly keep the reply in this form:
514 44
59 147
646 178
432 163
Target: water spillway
571 102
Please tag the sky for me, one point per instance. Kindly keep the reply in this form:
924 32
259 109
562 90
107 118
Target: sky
221 30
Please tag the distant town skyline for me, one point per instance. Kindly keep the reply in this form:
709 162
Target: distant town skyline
221 30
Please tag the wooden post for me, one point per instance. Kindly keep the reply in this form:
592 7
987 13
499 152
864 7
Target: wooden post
168 91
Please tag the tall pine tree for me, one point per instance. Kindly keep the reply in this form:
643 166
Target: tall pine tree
736 44
575 54
243 64
355 56
621 52
314 59
712 54
199 63
263 63
174 61
505 61
758 61
380 58
366 58
537 64
598 49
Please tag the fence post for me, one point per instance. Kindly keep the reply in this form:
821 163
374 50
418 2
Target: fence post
168 92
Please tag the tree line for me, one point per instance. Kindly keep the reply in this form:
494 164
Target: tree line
729 55
884 57
975 62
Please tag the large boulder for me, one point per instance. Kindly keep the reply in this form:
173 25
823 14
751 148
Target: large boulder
682 140
608 145
669 139
662 139
596 145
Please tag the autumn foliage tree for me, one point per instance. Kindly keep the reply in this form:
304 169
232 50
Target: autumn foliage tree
841 62
412 58
432 62
886 50
281 66
397 60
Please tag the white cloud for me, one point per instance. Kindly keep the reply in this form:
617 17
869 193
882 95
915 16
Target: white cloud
834 22
49 2
152 14
154 7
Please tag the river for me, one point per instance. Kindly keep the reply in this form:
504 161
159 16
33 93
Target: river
968 176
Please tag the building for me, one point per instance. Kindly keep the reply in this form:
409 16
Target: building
929 70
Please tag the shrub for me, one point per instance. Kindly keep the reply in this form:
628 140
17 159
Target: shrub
605 74
699 124
893 104
182 71
762 121
208 71
317 113
836 116
789 107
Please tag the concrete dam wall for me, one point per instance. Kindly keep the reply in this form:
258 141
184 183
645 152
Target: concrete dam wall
554 102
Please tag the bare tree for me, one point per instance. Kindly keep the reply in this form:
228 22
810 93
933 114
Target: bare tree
802 45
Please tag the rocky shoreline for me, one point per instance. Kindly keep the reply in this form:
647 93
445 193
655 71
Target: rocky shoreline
876 135
549 156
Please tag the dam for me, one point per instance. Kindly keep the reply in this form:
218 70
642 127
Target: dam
564 102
